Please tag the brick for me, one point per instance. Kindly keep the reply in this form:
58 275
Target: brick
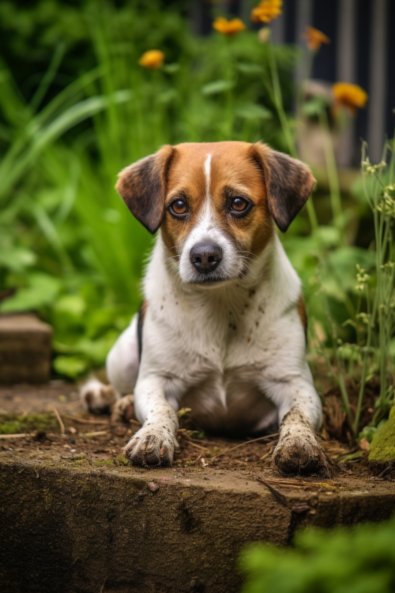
25 349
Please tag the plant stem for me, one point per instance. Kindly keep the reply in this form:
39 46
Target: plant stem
333 177
279 105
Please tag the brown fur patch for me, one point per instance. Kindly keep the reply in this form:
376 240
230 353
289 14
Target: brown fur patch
185 178
289 183
143 185
232 169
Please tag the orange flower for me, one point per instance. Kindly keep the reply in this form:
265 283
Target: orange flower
228 27
266 11
315 38
349 95
152 59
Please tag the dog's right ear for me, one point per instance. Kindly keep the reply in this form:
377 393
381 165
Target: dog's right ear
143 186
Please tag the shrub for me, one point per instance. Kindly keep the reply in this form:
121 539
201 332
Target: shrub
360 559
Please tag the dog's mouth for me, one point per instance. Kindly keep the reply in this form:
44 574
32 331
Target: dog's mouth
216 280
211 282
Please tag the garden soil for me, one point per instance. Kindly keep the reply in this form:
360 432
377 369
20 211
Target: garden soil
48 421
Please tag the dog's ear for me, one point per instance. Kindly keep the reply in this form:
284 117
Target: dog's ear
288 182
142 185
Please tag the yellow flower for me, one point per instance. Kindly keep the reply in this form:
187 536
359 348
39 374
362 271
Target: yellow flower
228 27
315 38
349 95
152 59
266 11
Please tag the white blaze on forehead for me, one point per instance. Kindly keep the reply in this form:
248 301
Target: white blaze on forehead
207 228
207 173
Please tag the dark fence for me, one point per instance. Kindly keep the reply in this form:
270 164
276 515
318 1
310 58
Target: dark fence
362 50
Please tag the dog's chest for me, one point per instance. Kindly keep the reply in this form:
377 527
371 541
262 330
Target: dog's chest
214 357
218 335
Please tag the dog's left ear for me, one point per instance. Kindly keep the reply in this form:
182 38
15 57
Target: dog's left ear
289 183
143 186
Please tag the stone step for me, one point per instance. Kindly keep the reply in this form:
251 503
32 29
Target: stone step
131 530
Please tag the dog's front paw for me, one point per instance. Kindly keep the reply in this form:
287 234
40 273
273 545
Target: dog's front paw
123 409
151 445
297 454
97 397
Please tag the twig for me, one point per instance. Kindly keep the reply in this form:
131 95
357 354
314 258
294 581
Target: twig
96 433
185 434
199 447
20 435
60 421
296 506
277 495
78 420
267 437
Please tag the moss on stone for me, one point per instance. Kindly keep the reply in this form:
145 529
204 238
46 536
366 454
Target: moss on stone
19 423
120 460
103 463
382 449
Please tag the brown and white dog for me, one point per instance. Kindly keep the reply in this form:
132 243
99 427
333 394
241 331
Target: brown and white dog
224 321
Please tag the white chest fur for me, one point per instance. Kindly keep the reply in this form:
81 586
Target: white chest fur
215 345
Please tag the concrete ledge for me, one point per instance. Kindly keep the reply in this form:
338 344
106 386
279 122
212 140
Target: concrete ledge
127 530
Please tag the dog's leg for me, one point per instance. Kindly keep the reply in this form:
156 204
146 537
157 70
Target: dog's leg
300 415
122 362
121 369
155 442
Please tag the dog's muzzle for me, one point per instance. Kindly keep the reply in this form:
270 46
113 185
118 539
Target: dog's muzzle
206 256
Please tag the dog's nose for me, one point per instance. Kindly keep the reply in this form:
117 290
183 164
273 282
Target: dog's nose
205 256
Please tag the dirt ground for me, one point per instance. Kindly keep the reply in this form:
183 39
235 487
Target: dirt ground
41 422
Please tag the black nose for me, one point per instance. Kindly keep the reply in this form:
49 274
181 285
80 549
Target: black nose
205 256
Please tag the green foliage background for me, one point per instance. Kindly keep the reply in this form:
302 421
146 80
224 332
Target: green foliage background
77 108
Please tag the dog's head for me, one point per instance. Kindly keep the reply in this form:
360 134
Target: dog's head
215 203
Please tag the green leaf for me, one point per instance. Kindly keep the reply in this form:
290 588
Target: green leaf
171 68
167 96
41 291
329 236
315 107
16 259
249 68
253 112
70 366
217 87
69 311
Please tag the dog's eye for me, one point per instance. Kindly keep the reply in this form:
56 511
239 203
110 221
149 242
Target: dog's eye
239 206
178 208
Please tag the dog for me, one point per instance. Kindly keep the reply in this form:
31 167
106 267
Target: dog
222 330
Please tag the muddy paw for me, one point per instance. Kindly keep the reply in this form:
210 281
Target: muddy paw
97 397
123 409
150 446
300 455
